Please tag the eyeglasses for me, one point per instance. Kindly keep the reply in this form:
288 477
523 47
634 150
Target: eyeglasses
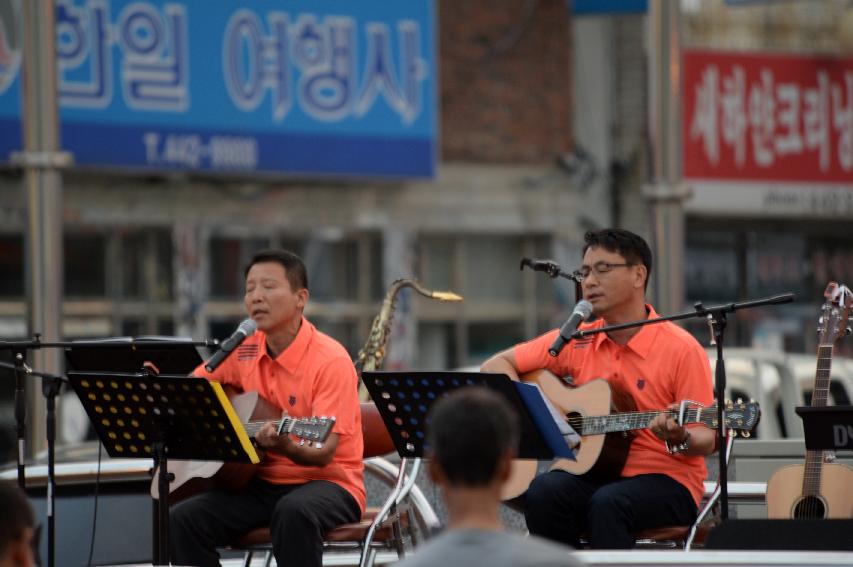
598 269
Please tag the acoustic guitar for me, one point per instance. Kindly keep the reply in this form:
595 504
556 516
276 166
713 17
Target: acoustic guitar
193 477
817 489
605 435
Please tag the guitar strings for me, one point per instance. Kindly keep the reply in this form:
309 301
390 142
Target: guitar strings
252 427
629 420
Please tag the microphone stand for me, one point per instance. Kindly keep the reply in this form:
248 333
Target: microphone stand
51 385
716 319
554 271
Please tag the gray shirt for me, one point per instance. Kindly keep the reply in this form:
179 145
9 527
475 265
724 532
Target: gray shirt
495 549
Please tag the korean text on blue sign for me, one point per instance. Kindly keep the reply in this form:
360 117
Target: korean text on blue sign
313 87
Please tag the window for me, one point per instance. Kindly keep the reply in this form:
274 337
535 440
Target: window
146 264
502 306
85 265
740 260
228 258
332 269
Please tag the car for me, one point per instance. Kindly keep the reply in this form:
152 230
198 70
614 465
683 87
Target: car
780 382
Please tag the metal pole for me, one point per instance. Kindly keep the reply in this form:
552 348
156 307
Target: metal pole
665 191
41 160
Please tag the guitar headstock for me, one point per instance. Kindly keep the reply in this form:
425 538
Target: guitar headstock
834 315
741 417
311 429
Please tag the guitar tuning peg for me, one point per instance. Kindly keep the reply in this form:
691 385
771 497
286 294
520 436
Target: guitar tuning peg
745 434
740 400
302 442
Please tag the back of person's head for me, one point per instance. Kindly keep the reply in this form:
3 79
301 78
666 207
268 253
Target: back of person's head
469 432
630 246
294 267
16 526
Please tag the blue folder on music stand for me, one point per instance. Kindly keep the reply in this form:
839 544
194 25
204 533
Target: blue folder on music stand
404 398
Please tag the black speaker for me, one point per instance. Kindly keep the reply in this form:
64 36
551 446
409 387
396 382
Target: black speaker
824 535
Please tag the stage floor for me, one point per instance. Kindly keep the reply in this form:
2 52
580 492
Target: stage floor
635 558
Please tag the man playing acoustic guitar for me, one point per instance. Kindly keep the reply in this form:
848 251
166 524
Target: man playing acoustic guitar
299 491
658 366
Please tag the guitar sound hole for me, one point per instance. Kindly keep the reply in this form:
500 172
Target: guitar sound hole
810 508
574 419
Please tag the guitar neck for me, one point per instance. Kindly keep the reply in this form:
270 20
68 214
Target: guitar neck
820 395
284 425
629 421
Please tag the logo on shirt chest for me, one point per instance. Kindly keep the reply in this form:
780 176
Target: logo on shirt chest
641 383
246 353
291 400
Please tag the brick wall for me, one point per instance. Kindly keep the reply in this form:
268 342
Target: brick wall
504 80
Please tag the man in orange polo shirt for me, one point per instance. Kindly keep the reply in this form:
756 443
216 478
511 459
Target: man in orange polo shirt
299 491
657 365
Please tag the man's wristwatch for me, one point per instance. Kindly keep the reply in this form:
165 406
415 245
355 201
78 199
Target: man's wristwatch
679 447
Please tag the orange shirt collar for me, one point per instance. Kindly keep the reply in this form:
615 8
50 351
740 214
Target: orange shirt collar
290 357
641 343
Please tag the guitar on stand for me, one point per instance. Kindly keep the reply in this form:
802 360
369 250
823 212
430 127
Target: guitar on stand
818 489
605 436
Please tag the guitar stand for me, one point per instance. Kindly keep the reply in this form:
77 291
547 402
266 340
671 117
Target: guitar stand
162 417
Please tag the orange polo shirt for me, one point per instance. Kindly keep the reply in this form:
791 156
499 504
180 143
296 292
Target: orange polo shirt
314 376
660 365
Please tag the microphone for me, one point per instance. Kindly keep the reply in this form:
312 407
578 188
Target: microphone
581 312
246 328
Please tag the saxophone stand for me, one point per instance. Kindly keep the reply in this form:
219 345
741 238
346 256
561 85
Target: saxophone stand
716 319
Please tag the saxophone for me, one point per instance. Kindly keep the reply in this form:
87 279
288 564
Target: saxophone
370 357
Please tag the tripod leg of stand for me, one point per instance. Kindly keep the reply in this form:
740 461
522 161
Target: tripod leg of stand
50 388
161 534
20 417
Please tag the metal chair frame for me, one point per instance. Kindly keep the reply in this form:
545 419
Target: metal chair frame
405 500
693 531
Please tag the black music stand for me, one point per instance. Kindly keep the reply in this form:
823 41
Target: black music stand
404 399
827 428
161 417
170 356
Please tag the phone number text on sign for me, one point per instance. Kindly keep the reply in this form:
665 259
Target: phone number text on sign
197 151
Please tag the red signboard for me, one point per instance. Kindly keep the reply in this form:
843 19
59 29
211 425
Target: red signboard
767 117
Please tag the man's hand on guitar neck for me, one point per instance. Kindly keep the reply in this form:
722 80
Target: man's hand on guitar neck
307 455
692 441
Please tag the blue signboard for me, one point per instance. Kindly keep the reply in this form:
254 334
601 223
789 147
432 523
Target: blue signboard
316 87
607 7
